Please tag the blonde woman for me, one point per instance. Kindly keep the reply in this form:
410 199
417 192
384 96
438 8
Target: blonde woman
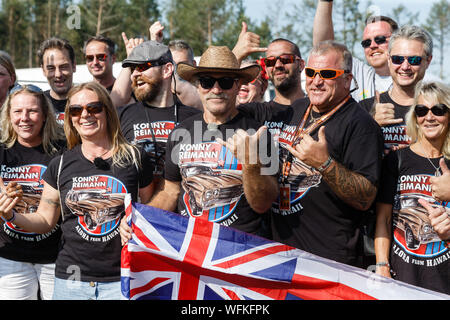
406 244
30 139
89 181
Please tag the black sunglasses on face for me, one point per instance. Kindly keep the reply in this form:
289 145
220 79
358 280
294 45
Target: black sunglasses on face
284 59
100 57
378 40
412 60
76 110
226 83
438 110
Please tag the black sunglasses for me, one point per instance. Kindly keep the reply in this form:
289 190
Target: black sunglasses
412 60
378 40
76 110
438 110
100 57
226 83
284 59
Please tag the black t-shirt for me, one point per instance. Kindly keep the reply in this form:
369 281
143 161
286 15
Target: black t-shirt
144 125
58 106
92 207
316 220
210 176
271 114
26 166
418 256
395 134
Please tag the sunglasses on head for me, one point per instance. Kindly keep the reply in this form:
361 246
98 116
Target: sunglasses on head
100 57
378 40
226 83
76 110
30 87
438 110
412 60
284 59
328 74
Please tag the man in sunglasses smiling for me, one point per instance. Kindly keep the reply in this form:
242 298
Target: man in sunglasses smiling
150 120
206 174
410 52
330 151
99 52
377 32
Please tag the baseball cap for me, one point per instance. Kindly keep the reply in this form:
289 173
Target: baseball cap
148 51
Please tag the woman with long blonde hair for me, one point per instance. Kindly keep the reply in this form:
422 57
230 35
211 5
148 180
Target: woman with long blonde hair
85 187
30 139
406 245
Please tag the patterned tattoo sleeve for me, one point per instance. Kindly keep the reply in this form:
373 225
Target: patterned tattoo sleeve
350 187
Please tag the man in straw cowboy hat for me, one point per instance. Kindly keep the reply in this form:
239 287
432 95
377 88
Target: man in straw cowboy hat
213 168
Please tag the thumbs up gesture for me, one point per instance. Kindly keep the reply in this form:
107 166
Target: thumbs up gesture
440 186
248 43
383 113
311 152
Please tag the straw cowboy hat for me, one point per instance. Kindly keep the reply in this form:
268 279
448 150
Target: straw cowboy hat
218 60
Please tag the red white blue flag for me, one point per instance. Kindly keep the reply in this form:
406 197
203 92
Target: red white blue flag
179 258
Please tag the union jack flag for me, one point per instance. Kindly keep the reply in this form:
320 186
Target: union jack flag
173 257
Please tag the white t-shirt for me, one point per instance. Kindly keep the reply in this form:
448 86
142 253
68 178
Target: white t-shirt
368 81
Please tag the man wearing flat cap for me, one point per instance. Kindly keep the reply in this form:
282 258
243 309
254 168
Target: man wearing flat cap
213 169
149 121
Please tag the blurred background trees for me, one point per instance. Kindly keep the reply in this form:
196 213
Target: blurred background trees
26 23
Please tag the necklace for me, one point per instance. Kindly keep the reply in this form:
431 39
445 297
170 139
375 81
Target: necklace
101 156
437 173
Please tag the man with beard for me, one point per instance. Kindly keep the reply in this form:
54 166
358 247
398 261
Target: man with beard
284 66
57 60
150 120
99 52
181 52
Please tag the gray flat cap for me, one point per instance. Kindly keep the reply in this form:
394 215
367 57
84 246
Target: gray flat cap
148 51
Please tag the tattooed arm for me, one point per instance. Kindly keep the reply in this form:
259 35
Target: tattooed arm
351 187
44 219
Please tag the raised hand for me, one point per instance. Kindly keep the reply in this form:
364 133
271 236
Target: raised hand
156 32
440 186
248 43
311 152
439 219
384 113
131 43
245 146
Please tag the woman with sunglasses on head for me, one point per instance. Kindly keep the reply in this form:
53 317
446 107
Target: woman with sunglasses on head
89 182
30 139
405 242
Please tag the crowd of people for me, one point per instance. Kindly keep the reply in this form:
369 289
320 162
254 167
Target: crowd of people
354 168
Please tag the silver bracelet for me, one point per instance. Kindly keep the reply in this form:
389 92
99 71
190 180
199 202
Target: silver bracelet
324 166
383 264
